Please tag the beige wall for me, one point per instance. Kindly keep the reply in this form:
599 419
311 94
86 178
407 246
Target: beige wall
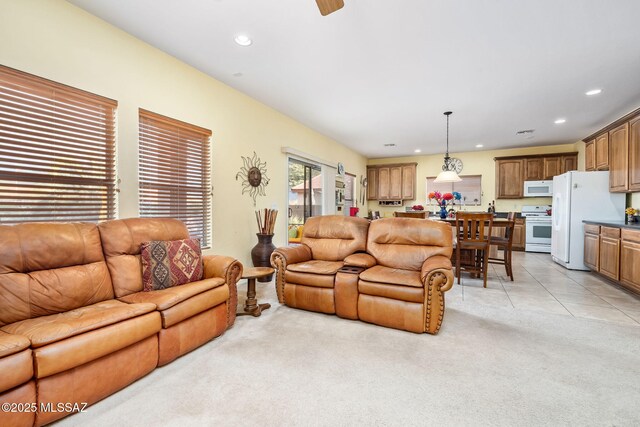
475 163
58 41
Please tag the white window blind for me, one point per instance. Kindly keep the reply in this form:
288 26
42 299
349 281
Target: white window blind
470 188
175 173
57 151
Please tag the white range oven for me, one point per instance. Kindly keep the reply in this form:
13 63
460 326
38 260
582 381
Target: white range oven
538 226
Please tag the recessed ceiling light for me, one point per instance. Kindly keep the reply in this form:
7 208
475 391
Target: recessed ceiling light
560 121
243 40
593 92
479 145
417 150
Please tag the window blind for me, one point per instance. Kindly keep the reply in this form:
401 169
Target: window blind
57 151
175 172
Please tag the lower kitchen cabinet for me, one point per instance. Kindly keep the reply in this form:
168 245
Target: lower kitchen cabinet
592 246
519 235
630 259
610 257
614 253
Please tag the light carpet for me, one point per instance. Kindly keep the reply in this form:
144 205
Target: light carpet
488 366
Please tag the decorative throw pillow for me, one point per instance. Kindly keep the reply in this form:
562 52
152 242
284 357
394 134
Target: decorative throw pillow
293 232
170 263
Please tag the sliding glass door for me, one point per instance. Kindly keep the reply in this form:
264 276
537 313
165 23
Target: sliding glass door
305 191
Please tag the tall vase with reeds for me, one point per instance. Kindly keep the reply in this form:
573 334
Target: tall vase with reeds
261 252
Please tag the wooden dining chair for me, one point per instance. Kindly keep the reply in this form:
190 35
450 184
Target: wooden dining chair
472 232
505 244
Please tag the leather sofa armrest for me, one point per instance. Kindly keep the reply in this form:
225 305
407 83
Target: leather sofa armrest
230 269
437 271
360 260
287 255
291 255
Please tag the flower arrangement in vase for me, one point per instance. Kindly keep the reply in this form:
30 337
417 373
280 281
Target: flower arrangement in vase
443 200
631 215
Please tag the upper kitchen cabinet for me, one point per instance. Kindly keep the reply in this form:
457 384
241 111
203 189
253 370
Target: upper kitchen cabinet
597 153
569 163
634 154
511 172
590 155
509 178
616 147
391 182
384 183
409 181
372 183
534 169
552 167
618 158
602 152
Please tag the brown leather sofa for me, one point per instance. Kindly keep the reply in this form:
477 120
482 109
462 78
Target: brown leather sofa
16 384
191 314
78 313
402 269
307 272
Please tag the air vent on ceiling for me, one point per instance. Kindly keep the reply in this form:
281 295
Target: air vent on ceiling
525 132
390 145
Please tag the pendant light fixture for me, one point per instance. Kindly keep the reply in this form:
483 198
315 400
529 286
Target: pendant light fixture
448 173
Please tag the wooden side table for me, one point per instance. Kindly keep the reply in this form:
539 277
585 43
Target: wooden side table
251 306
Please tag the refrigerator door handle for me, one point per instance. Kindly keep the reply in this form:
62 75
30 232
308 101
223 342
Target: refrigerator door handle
556 212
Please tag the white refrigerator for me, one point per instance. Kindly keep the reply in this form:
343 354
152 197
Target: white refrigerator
579 196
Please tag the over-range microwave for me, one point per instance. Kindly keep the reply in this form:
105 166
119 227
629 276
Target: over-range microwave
538 189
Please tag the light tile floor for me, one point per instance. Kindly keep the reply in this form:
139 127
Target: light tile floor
543 286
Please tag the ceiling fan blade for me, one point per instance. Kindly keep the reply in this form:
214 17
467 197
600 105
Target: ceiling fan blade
328 6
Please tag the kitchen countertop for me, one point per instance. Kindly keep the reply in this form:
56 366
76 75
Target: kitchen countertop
615 224
496 215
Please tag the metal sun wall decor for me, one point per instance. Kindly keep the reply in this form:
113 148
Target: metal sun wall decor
254 176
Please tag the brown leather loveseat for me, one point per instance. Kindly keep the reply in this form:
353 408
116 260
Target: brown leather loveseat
76 312
392 272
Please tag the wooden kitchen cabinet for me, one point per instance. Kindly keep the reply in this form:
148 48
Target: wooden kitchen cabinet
384 183
569 163
512 171
610 252
602 152
409 181
509 179
592 246
634 154
534 169
391 182
615 253
519 235
596 153
395 183
590 155
630 259
552 167
372 183
618 158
